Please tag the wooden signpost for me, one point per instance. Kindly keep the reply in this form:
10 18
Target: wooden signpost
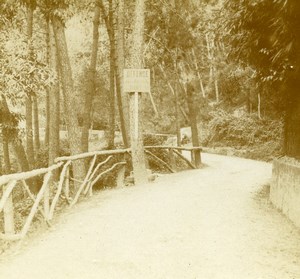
137 81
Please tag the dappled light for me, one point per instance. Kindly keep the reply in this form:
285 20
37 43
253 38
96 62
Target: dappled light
163 119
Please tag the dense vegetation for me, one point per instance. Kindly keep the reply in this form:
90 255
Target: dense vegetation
229 69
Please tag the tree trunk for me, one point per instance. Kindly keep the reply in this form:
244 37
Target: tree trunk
111 128
209 57
28 102
13 137
178 131
259 106
17 145
293 132
122 98
109 23
20 154
173 92
216 87
135 62
69 100
46 140
1 167
36 125
193 119
54 117
54 103
90 92
6 157
248 101
29 132
292 119
47 112
194 58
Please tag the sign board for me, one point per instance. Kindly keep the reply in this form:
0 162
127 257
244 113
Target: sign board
136 80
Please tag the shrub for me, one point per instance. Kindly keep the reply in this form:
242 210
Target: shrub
43 156
153 139
261 138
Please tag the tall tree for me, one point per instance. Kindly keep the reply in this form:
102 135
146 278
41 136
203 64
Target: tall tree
47 106
114 22
110 27
66 79
265 35
135 61
122 98
54 101
112 113
90 90
186 72
29 121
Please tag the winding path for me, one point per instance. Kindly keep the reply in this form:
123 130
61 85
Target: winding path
210 223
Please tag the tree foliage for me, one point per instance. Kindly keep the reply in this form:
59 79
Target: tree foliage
242 55
265 34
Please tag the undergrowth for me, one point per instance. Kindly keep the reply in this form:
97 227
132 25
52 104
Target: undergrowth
247 136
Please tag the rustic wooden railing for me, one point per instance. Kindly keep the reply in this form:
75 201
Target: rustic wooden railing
63 188
50 192
192 156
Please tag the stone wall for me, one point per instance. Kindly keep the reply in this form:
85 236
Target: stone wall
285 188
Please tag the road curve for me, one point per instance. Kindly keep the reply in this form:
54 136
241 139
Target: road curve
207 223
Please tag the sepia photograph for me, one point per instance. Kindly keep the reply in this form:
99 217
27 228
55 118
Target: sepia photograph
149 139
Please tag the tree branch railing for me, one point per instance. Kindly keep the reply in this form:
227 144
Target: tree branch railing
66 189
52 191
192 158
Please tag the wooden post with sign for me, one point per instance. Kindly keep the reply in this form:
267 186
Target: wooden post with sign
137 81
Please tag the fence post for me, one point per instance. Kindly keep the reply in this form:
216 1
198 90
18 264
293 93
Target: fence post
47 198
172 159
67 183
196 157
121 176
121 172
8 212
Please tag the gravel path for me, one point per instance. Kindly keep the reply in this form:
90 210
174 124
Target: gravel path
210 223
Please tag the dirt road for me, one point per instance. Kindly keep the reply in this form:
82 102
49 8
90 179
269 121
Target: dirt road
209 223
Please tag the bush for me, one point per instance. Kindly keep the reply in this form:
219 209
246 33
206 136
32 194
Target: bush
259 138
43 156
153 139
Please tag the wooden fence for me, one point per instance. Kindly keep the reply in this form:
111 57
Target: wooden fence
192 158
67 189
46 200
